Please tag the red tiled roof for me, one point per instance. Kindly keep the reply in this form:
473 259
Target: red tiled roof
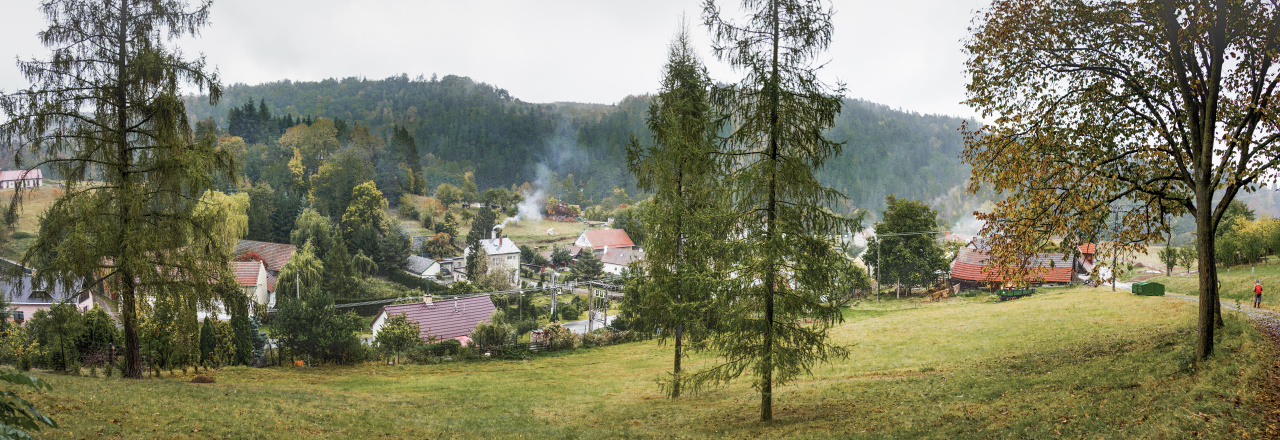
246 272
21 174
971 265
271 282
1088 248
275 255
447 318
600 238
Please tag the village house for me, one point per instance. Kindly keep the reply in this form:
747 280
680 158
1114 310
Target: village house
601 239
574 251
25 295
444 319
253 279
21 178
504 257
970 269
273 255
452 270
422 267
616 259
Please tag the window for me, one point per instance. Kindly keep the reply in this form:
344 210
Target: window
17 316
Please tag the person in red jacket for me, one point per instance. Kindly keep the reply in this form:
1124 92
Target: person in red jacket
1257 293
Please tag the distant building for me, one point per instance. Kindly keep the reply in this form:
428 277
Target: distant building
422 267
273 255
504 257
21 178
972 269
616 259
601 239
253 279
444 319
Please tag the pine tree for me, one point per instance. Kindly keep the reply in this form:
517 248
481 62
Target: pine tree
107 107
775 321
685 222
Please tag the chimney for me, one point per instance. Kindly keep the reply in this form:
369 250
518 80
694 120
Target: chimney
426 299
493 234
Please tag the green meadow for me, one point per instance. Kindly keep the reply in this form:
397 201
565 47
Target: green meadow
1074 363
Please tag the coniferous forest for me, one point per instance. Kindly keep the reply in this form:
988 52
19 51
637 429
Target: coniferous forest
462 125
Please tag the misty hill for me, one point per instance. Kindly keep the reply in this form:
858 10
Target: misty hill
469 125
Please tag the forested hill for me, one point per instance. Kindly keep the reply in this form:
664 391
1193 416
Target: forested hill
460 124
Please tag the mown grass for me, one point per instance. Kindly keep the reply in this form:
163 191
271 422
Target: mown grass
34 203
1076 363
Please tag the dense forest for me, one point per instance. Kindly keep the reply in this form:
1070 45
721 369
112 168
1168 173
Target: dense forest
577 151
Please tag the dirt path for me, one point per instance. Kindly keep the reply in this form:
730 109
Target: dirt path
1268 321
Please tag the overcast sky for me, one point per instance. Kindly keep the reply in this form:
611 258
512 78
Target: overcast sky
903 53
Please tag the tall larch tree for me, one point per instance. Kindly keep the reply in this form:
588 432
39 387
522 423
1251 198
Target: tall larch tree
775 320
1140 109
104 112
675 287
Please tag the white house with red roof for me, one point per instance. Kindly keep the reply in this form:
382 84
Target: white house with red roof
253 279
444 319
602 239
21 178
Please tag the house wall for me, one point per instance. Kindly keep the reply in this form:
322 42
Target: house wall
378 322
505 263
613 268
28 310
582 241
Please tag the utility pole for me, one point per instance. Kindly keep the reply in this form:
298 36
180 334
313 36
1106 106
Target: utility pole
878 240
1115 271
554 290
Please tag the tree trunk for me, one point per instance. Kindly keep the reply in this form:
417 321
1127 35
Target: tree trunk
1210 316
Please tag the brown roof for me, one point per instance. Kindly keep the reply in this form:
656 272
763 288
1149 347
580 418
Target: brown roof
246 272
621 257
445 319
1088 248
600 238
971 265
274 255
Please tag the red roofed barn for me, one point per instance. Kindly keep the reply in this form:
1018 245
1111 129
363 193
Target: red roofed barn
970 269
445 319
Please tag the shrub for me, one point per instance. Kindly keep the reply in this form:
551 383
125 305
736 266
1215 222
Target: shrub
22 235
560 338
489 336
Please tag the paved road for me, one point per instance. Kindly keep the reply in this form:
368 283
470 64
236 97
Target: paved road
580 327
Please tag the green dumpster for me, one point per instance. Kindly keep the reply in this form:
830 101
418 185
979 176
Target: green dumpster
1138 287
1147 288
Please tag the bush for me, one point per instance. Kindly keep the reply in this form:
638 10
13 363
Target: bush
490 336
560 338
22 235
403 278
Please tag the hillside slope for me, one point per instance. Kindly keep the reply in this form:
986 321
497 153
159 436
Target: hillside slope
508 141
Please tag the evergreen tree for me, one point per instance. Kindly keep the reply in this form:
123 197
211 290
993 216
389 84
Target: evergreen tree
685 221
775 319
105 111
589 266
208 341
339 272
394 248
481 226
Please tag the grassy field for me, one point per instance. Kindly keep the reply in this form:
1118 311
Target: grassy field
34 203
525 232
1075 363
